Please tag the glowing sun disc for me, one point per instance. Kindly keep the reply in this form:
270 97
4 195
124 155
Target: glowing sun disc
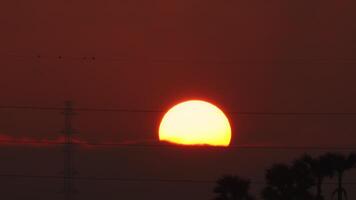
195 122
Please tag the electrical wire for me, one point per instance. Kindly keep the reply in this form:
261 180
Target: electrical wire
161 180
127 110
163 145
177 60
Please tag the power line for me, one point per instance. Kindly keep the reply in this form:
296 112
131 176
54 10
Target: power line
162 180
78 109
127 110
91 178
31 108
258 61
123 110
247 147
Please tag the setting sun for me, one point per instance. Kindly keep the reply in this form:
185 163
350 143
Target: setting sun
195 122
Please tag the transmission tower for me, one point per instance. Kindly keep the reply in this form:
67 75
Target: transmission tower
69 171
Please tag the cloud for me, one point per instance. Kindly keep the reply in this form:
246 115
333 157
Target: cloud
8 140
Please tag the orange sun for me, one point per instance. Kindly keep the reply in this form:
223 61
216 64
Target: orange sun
195 122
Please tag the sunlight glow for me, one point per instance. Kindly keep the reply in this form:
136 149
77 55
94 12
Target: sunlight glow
195 122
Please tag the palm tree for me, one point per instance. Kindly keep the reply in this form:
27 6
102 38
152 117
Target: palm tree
279 183
303 180
320 168
231 187
288 183
341 163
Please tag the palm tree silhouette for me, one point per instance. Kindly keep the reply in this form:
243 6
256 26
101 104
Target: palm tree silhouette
341 163
288 183
303 180
320 168
279 183
231 187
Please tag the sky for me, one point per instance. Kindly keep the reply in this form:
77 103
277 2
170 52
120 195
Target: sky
244 56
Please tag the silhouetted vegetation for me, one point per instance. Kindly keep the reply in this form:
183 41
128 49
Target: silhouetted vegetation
297 181
320 168
288 182
339 164
232 188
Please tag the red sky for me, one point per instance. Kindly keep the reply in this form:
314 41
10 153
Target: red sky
248 56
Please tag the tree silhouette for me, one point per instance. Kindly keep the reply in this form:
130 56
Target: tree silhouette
320 168
231 187
288 183
279 183
341 163
303 180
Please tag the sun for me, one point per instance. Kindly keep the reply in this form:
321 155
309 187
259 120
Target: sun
195 122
